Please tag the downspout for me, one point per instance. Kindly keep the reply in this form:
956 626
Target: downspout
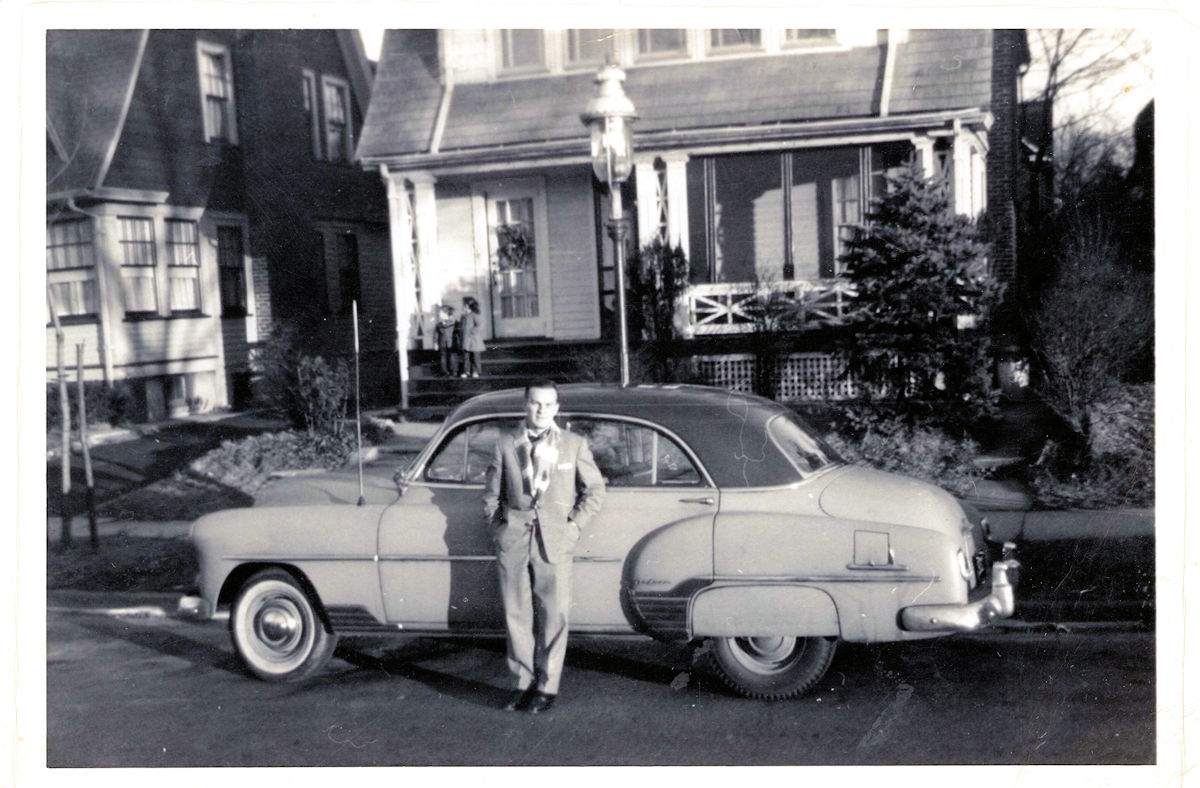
889 73
103 329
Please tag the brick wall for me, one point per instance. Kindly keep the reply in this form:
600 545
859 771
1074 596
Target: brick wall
1003 158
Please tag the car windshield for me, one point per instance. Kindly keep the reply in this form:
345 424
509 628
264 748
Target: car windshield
801 445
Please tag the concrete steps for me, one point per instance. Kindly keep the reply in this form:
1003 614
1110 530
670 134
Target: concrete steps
506 364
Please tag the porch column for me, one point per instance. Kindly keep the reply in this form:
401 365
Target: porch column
924 147
677 207
400 226
961 152
424 208
651 201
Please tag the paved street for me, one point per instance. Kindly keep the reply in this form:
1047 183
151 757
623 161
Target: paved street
172 693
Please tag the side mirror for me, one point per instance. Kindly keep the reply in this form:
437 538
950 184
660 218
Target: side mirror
403 475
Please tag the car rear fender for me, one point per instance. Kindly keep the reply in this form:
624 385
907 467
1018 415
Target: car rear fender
756 610
661 574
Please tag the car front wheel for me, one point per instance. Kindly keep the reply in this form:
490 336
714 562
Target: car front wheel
276 629
771 668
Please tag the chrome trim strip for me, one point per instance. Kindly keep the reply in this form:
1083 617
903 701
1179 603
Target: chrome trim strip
296 559
418 466
585 559
419 558
781 579
879 568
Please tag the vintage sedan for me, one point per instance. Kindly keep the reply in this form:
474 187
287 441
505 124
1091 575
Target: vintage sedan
727 521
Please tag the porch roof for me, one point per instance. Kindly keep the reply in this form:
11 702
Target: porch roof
934 71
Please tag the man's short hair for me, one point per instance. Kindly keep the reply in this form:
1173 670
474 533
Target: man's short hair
545 383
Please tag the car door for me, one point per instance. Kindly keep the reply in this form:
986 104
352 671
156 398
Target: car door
436 560
653 486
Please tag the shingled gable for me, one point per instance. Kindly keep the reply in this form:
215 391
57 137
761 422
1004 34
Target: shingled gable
406 98
90 79
935 70
89 82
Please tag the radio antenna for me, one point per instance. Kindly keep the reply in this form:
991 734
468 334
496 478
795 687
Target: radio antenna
357 404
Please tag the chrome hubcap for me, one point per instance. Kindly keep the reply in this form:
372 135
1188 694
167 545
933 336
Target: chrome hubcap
279 625
766 654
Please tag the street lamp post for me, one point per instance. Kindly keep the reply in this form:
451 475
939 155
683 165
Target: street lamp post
609 115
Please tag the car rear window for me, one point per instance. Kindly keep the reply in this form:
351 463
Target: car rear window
634 455
801 445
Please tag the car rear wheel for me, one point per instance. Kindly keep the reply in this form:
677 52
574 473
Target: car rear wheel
276 629
771 668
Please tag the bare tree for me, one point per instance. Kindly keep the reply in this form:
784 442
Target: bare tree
1068 63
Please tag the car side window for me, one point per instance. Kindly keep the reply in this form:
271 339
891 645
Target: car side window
633 455
465 454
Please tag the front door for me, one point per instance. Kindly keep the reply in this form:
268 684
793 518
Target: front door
516 220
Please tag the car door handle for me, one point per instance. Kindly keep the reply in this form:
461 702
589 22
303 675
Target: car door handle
706 501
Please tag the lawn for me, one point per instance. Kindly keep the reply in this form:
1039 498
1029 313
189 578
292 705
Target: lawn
123 563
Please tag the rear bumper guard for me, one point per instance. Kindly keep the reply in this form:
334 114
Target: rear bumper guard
999 603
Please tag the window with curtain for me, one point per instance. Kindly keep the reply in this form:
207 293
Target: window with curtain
662 42
521 49
231 269
71 267
588 47
719 40
139 282
183 265
809 37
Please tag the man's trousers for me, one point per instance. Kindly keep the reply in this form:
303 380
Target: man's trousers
536 644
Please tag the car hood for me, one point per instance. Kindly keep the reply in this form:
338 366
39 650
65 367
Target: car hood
857 493
314 488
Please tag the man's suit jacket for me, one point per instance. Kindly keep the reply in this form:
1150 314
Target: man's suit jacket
573 496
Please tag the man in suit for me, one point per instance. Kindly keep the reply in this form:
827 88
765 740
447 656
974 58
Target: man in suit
542 489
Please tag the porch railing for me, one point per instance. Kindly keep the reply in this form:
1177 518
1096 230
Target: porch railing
730 307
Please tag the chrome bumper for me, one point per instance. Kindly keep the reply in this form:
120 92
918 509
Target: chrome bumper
999 603
193 608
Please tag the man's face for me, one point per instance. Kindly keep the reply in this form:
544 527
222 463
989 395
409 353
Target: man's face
541 406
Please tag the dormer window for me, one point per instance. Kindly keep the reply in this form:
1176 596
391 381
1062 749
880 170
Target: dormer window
588 47
661 43
721 41
216 92
522 50
795 37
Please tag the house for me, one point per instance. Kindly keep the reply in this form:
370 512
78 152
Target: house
757 151
201 187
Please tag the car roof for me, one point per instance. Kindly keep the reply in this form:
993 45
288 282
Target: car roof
726 429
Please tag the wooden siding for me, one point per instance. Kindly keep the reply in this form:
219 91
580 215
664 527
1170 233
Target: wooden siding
575 301
73 334
157 341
